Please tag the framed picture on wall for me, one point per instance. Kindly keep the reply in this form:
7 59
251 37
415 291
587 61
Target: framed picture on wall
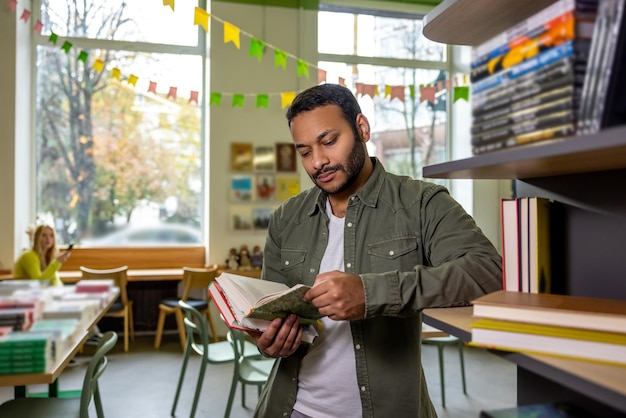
265 187
264 158
241 188
285 157
261 217
241 156
287 186
240 218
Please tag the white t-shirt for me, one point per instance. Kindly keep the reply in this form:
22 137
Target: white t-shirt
327 385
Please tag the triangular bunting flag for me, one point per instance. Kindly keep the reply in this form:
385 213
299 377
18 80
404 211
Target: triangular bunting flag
152 87
321 76
25 15
132 79
66 46
262 100
38 26
231 34
238 100
286 98
461 92
82 56
280 59
172 93
303 68
257 47
201 17
193 96
116 73
53 38
342 81
98 65
428 93
12 5
216 99
169 3
412 91
397 92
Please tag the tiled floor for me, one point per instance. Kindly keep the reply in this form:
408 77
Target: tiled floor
141 383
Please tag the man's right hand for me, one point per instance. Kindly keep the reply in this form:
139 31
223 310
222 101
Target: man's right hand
281 338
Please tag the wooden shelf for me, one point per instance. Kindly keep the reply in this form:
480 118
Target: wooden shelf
462 22
603 151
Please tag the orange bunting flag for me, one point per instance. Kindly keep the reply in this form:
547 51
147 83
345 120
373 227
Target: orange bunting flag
367 89
428 93
132 79
231 34
397 92
172 93
98 65
193 96
342 81
201 17
152 87
286 98
321 76
38 26
25 15
13 5
169 3
116 73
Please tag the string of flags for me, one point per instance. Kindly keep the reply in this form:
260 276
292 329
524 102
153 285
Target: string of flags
257 47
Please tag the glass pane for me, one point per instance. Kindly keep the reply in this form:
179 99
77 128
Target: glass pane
121 20
376 36
112 156
406 134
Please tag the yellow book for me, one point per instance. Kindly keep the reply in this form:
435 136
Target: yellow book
581 344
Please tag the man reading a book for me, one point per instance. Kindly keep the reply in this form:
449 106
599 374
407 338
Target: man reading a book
377 248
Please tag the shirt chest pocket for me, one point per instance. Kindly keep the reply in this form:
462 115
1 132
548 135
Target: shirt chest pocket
292 262
393 253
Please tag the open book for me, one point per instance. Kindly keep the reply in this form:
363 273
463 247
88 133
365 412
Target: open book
251 304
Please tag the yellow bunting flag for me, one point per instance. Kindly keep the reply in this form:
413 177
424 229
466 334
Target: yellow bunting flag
201 17
231 34
169 3
132 79
286 98
98 65
116 73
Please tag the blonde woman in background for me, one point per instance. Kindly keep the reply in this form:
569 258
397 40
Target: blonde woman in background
43 260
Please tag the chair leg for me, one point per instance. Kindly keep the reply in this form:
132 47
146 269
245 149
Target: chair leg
196 396
132 320
126 329
98 402
460 343
243 395
181 328
211 325
183 369
441 374
231 394
160 325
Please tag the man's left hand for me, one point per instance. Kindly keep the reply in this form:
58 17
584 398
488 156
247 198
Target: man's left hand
338 295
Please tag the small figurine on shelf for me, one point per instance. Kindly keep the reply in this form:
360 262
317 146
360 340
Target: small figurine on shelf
233 259
244 258
256 258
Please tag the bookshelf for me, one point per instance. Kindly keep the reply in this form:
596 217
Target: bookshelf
584 176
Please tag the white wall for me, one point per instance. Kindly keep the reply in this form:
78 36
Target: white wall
291 30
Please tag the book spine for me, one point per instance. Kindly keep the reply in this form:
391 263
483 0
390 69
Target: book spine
545 58
560 131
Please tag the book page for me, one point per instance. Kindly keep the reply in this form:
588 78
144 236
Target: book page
283 303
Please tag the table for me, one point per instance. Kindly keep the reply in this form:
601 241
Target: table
20 381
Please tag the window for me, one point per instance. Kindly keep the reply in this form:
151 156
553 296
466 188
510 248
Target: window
118 124
388 49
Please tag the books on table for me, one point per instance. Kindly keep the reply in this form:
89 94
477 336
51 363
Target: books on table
576 327
251 304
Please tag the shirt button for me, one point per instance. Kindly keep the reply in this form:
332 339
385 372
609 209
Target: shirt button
358 346
286 263
392 252
312 271
349 265
362 388
349 224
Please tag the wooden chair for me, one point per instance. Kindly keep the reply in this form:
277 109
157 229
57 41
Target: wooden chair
193 278
67 407
122 307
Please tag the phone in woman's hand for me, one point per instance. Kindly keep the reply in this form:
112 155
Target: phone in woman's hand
69 247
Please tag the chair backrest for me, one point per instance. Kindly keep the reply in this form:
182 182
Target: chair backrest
119 275
195 328
197 278
97 365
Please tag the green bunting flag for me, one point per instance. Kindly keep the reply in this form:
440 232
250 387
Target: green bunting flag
53 38
66 47
238 100
257 47
262 100
303 68
82 56
280 59
216 99
412 91
461 92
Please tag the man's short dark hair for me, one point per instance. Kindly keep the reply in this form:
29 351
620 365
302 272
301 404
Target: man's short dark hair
324 95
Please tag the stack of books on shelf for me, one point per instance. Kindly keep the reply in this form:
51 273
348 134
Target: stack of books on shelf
576 327
527 82
526 254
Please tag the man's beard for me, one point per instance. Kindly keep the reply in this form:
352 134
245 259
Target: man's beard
354 164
